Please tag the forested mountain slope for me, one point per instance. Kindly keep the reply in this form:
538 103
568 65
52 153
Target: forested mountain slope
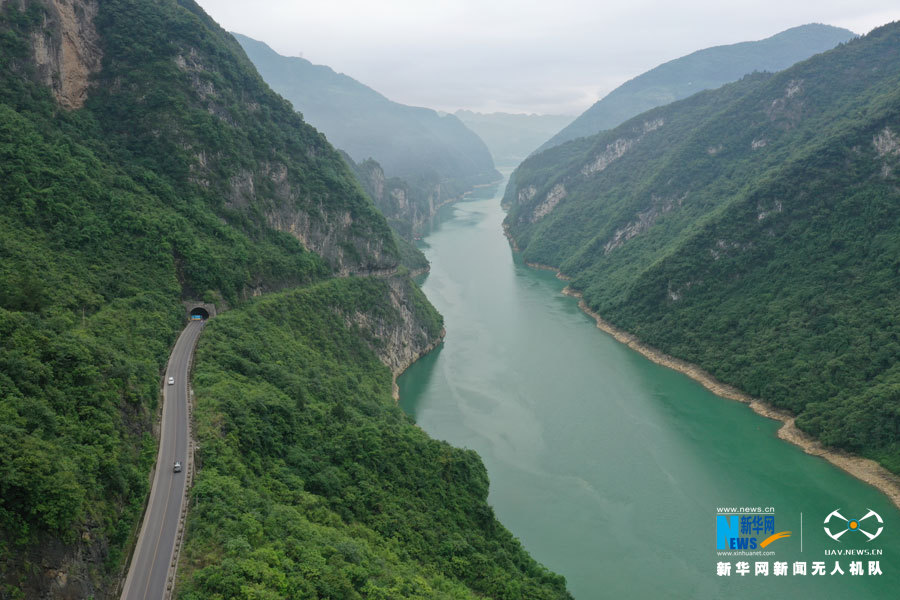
435 154
314 483
144 162
406 208
754 230
701 70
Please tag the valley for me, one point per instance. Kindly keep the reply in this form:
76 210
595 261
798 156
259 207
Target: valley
608 467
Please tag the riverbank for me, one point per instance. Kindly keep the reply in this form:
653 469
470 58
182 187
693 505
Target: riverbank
864 469
564 417
399 370
512 241
542 267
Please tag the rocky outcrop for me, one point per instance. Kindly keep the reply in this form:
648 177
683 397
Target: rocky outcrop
886 143
331 234
613 152
407 207
643 221
887 147
60 571
787 110
526 194
554 197
617 149
597 162
401 338
66 50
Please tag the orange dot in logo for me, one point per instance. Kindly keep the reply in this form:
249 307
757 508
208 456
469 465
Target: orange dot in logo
852 524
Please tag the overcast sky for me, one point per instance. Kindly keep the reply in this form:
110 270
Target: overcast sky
552 56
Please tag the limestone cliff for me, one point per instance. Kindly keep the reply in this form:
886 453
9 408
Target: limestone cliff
191 105
408 207
276 186
404 334
66 50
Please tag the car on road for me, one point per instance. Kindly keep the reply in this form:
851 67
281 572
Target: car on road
177 467
171 381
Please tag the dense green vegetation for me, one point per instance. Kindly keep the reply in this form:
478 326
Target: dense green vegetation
198 86
184 177
94 258
512 137
754 230
314 484
436 155
701 70
407 209
104 228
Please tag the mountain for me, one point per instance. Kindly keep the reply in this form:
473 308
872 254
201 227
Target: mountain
701 70
144 163
406 208
416 144
512 137
753 230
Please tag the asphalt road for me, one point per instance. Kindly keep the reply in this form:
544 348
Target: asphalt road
156 543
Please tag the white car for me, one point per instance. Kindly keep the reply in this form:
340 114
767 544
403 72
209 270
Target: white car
177 467
171 381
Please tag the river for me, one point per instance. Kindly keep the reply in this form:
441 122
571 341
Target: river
609 468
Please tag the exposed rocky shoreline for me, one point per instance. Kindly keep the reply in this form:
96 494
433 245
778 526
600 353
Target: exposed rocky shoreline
864 469
399 370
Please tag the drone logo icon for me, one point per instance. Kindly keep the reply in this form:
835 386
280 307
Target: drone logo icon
846 525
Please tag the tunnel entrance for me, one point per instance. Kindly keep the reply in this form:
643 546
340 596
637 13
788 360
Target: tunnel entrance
199 313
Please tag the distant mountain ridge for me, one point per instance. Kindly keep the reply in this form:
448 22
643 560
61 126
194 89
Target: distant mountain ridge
753 230
512 137
414 143
700 70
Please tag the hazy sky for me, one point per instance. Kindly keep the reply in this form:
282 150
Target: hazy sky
553 56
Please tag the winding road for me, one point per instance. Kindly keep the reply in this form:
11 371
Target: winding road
154 552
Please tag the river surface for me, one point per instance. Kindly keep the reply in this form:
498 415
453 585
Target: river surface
608 467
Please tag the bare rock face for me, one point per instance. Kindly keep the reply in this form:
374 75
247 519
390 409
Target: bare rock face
407 208
402 339
330 235
323 230
644 220
60 571
554 196
596 164
66 50
886 143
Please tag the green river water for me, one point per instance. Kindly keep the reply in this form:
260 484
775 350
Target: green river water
608 467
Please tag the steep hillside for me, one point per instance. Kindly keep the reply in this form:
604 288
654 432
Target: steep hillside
144 162
753 230
512 137
701 70
406 208
106 224
429 151
314 483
